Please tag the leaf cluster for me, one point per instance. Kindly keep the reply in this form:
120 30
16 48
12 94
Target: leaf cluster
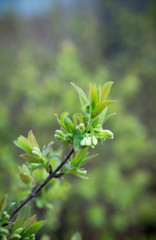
23 228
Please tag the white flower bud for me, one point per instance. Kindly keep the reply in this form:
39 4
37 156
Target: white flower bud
94 140
83 142
88 141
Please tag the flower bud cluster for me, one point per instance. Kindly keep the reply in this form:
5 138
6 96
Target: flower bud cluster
18 235
89 141
80 128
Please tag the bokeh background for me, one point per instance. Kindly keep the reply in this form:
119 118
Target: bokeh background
46 44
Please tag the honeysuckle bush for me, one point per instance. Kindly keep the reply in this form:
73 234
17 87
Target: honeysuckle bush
81 133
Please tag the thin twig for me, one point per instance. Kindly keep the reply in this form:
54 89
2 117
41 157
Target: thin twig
38 188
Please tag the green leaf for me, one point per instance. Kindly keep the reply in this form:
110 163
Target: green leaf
78 172
24 144
21 218
93 96
24 178
3 203
105 90
77 140
29 223
75 118
35 227
32 139
34 166
32 159
76 236
83 99
79 157
69 125
100 107
86 159
60 123
95 122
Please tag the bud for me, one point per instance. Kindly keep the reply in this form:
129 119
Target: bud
58 137
15 236
19 230
60 133
81 127
106 134
83 142
88 141
94 140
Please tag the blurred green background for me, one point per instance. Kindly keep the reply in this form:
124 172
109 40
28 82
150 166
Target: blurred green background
44 45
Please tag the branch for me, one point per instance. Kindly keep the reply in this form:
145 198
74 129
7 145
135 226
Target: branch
38 188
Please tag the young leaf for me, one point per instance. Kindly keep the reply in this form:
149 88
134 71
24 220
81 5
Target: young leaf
79 157
24 144
100 107
60 123
77 140
105 90
32 139
69 125
93 96
75 117
31 159
82 95
86 159
35 227
24 178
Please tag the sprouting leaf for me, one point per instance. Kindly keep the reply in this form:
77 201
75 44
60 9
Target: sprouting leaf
35 227
24 178
32 159
81 118
80 155
99 93
93 96
34 166
77 140
83 99
69 125
24 144
3 203
63 115
100 107
60 123
105 90
95 122
78 172
21 218
75 117
32 139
